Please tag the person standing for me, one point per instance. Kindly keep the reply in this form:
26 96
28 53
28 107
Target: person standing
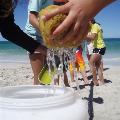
37 60
79 65
96 63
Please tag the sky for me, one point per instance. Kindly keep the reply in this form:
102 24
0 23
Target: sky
109 18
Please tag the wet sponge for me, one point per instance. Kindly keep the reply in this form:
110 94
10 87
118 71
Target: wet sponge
47 27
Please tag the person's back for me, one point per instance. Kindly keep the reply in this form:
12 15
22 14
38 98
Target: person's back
98 41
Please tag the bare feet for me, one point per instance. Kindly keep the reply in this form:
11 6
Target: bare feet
73 84
86 82
95 82
101 82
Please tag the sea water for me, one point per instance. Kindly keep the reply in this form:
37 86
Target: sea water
12 53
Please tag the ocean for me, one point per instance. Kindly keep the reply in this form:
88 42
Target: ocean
12 53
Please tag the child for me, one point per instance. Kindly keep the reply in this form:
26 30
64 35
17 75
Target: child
96 37
80 65
32 29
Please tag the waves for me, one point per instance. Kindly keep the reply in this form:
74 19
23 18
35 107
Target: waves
12 53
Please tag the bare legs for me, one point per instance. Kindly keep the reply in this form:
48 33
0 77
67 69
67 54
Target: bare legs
100 74
84 75
37 62
96 66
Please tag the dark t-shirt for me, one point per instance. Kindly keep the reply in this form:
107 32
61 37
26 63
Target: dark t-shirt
10 31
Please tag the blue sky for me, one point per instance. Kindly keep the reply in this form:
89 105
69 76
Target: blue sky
109 18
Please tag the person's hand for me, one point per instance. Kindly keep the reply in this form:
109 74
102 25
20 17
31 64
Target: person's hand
41 50
79 13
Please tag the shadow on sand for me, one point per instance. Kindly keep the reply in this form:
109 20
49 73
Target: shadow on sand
90 100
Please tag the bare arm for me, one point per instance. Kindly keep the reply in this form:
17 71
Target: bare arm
12 32
33 19
79 13
91 36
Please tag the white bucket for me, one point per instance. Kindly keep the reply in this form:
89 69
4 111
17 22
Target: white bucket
41 103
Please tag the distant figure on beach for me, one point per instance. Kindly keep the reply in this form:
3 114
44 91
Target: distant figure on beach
37 60
10 31
96 38
79 65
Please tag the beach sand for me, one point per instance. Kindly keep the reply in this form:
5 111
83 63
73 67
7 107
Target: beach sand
103 101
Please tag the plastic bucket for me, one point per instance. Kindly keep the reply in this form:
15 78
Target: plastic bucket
41 103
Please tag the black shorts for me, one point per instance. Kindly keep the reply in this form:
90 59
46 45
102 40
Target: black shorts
100 51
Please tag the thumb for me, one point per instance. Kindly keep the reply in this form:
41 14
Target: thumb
61 9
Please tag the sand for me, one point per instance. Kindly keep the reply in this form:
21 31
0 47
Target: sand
103 101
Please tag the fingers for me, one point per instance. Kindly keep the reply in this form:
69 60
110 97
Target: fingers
75 38
61 9
66 24
67 36
81 34
80 22
42 50
75 23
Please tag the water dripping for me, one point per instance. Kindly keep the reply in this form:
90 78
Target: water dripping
58 61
